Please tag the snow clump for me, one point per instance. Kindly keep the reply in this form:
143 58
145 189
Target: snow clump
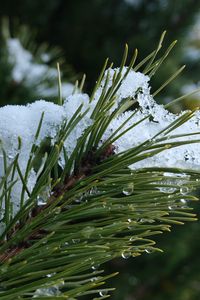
22 121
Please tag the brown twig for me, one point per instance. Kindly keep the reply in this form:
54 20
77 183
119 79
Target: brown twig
84 170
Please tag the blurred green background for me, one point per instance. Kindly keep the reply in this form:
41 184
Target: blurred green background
80 35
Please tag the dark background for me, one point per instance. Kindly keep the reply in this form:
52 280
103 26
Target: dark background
91 30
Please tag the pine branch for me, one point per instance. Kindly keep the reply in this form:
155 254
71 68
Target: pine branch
91 204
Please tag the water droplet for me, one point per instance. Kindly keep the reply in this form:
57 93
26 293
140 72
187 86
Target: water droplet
41 201
51 274
93 279
126 254
148 250
128 190
167 190
146 220
95 267
183 201
42 198
184 190
172 206
87 231
51 291
129 220
77 200
103 293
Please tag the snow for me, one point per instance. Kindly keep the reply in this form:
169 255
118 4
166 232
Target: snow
192 54
24 67
23 121
186 156
134 83
39 76
192 51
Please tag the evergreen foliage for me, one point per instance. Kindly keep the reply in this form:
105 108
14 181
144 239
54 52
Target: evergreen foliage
99 209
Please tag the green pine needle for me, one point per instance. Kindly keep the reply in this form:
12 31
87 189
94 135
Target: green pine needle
98 208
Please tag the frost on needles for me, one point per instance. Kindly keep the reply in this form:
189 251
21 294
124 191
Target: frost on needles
148 121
